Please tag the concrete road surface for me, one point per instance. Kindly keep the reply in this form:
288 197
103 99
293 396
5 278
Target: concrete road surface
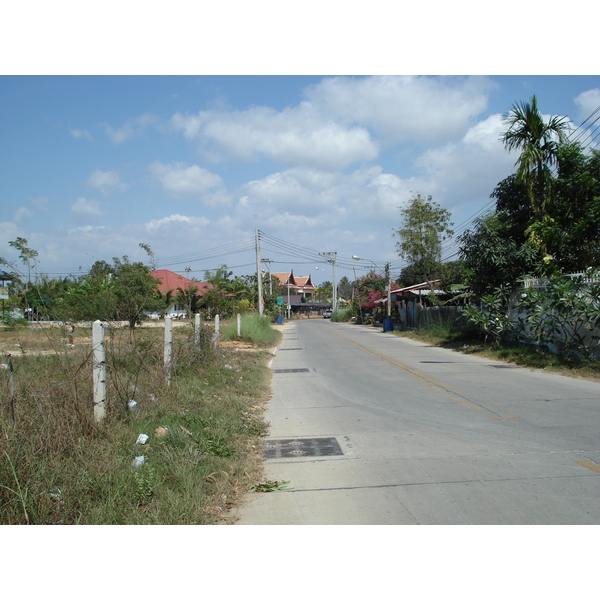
370 428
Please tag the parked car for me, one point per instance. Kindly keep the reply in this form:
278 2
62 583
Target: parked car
327 314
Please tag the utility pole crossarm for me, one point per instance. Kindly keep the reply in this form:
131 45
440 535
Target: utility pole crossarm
333 260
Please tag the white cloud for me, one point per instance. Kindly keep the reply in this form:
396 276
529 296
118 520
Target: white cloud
295 135
181 181
587 102
87 229
466 171
106 181
178 220
84 208
328 200
82 133
409 108
132 128
23 214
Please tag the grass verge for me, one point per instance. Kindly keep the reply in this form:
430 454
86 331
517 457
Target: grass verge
204 432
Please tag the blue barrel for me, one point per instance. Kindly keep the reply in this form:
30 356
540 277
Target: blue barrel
279 320
388 325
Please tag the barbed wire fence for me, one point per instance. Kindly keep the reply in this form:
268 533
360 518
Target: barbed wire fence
107 376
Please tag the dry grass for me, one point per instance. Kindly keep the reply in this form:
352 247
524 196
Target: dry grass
58 466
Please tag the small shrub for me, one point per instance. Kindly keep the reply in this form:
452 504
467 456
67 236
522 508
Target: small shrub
343 315
254 328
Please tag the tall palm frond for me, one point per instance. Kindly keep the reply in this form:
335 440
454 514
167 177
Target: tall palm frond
538 141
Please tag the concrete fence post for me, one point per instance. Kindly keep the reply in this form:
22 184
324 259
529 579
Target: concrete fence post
11 388
217 334
168 349
239 324
99 371
197 324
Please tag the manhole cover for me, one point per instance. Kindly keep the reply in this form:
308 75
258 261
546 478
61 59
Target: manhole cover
503 366
281 349
302 447
291 370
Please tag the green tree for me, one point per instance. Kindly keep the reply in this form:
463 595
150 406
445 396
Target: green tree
135 291
121 291
345 288
452 273
425 225
538 141
324 292
493 257
27 255
45 297
576 211
188 297
368 290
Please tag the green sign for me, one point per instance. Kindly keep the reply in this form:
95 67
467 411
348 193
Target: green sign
279 300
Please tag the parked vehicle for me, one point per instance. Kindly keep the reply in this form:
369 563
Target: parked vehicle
327 314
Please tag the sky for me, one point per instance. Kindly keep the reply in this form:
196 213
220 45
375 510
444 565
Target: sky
191 134
92 166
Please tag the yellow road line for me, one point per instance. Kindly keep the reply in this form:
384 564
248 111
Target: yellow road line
588 464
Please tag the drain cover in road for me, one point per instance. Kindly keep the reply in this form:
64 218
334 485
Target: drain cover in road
291 370
302 447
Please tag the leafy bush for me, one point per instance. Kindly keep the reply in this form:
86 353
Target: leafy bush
254 328
491 316
344 314
564 312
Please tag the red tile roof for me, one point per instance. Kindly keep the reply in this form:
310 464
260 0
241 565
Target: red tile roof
299 283
169 281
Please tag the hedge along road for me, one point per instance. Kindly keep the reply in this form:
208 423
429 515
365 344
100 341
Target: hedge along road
370 428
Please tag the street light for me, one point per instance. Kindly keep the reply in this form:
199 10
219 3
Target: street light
361 258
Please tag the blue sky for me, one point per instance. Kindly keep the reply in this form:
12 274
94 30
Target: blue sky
91 166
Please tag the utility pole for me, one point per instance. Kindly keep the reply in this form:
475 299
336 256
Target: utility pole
333 260
389 289
258 274
268 262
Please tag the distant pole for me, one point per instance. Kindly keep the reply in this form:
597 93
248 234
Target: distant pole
99 371
239 324
333 260
168 354
259 274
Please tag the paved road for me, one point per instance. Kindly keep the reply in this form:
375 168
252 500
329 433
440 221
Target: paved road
425 436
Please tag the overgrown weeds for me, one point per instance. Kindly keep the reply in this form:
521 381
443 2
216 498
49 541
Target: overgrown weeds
253 328
203 444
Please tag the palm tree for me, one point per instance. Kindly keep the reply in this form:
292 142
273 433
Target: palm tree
538 141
